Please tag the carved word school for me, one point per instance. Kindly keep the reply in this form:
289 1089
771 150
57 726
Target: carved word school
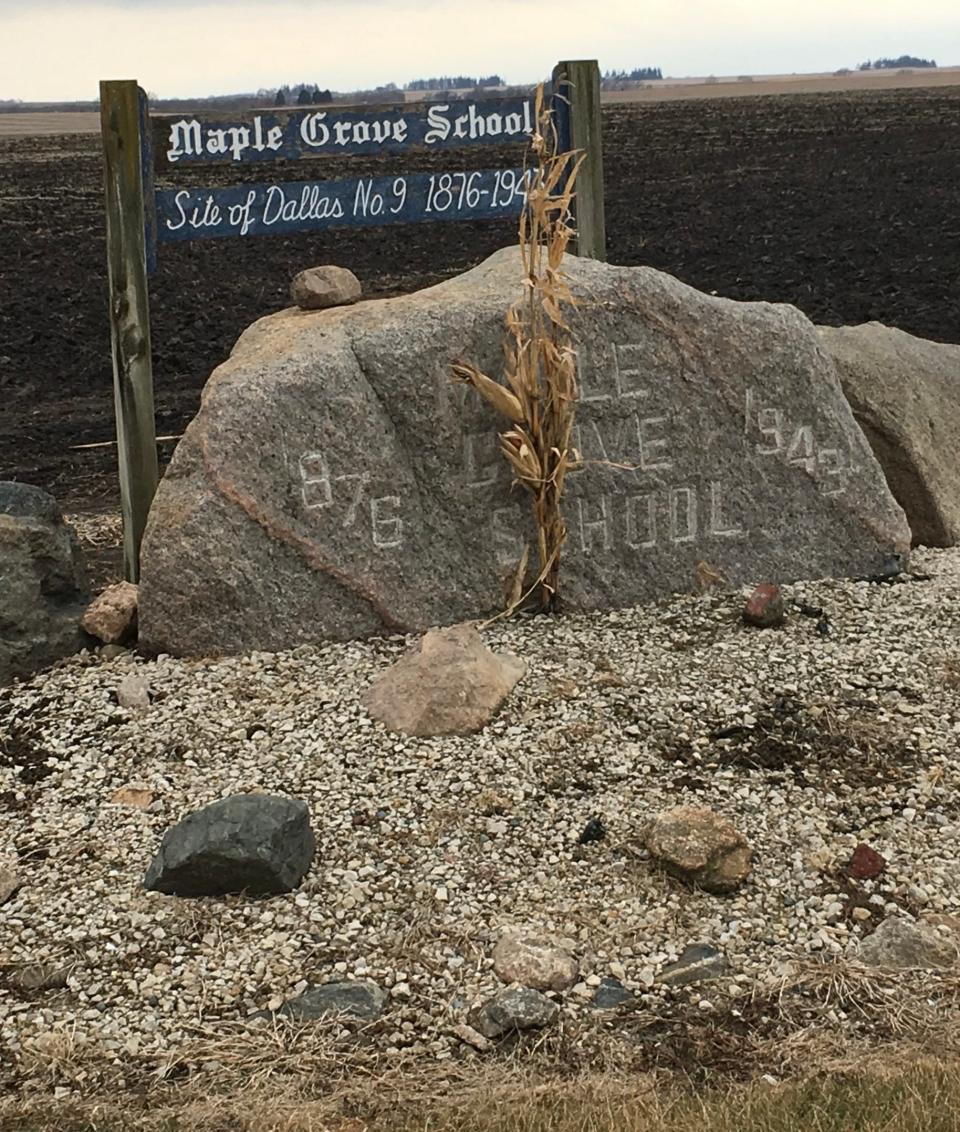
266 136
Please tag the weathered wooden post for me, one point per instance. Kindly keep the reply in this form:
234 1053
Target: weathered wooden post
122 120
578 82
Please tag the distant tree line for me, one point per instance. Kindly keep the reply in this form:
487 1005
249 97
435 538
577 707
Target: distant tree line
450 82
896 64
638 74
301 94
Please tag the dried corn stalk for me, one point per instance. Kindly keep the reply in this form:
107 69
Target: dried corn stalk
540 395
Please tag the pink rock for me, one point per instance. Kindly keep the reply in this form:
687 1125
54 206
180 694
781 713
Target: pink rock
764 607
449 683
112 616
534 961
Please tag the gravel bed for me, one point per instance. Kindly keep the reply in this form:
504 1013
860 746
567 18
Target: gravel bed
427 849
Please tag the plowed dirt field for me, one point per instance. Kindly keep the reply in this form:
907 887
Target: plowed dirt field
847 205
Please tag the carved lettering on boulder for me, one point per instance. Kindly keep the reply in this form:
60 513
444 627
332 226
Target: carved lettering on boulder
709 430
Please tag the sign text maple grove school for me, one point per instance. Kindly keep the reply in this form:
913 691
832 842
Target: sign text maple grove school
315 133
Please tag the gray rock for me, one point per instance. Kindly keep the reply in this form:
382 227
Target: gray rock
534 961
360 999
9 881
450 683
471 1037
252 843
905 395
610 994
337 484
700 847
133 693
900 943
321 287
43 587
514 1008
698 963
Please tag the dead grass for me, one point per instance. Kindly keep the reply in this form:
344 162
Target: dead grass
639 1070
540 394
913 1095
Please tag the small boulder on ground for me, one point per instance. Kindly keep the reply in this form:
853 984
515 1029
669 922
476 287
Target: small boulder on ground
320 287
135 796
133 693
765 607
33 978
450 683
534 961
360 999
514 1008
43 586
254 843
901 943
112 615
698 963
700 847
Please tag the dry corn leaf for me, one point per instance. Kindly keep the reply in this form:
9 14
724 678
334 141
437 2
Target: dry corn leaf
497 395
516 589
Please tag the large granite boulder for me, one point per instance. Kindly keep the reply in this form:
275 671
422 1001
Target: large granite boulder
337 484
905 395
43 586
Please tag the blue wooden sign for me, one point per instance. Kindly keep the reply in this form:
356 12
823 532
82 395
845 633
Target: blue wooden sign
281 208
252 136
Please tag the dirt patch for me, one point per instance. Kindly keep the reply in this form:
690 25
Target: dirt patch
21 746
808 745
44 123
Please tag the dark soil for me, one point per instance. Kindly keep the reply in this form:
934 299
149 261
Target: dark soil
847 206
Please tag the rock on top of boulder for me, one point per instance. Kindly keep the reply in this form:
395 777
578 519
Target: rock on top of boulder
449 683
254 843
317 288
337 484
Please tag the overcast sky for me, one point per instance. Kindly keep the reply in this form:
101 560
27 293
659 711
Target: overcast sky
59 49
